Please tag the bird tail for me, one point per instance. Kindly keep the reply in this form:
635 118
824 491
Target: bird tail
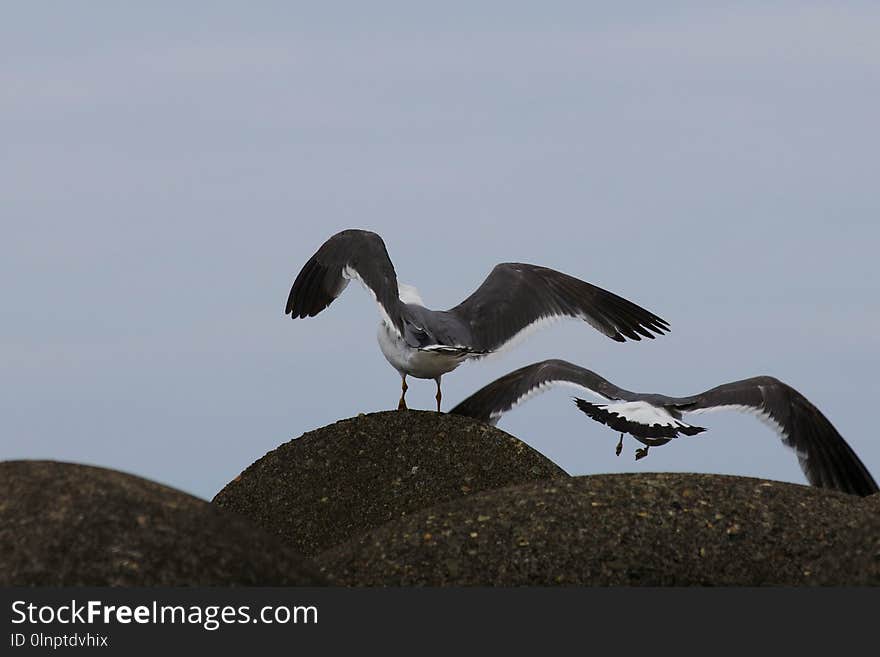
638 418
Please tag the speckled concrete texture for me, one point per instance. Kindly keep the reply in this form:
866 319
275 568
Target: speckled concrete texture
63 524
355 475
627 529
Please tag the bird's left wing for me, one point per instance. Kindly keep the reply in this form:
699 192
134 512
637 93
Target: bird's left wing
493 400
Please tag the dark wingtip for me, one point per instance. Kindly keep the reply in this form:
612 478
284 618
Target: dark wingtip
291 309
288 307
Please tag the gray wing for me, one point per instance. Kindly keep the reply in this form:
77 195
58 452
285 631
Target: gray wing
825 458
349 254
492 401
516 296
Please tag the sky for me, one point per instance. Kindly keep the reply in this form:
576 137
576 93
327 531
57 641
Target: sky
167 169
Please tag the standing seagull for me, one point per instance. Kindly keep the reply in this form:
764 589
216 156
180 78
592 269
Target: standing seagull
824 456
427 343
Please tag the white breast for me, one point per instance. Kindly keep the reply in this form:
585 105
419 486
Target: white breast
414 362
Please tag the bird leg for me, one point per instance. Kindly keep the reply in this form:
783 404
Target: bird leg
641 453
439 396
619 447
401 405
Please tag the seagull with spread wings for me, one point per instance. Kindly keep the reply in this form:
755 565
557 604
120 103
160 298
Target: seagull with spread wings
824 456
427 344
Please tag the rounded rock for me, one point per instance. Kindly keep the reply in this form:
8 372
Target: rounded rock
63 524
626 529
350 477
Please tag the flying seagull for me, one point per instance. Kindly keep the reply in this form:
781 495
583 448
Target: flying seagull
427 344
824 456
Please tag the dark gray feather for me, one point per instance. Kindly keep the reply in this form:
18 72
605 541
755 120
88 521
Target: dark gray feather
825 457
516 295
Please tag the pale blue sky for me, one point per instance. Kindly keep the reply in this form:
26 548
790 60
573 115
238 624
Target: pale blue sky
167 169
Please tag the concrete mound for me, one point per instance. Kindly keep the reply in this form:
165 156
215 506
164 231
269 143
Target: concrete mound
63 524
353 476
627 529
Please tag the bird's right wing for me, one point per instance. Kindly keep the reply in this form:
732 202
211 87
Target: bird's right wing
517 297
349 254
824 456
